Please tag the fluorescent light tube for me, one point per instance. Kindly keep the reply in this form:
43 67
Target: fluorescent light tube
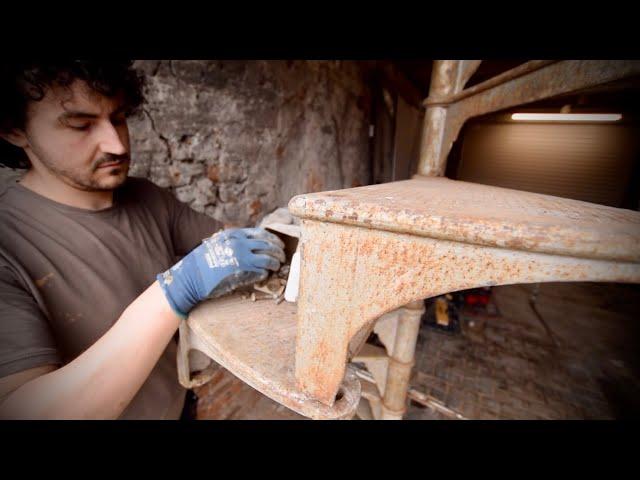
567 117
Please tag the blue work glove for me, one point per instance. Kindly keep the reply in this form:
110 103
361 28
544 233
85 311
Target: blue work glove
223 262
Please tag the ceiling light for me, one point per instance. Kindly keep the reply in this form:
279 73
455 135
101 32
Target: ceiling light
567 117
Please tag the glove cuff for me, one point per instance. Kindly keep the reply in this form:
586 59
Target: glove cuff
162 280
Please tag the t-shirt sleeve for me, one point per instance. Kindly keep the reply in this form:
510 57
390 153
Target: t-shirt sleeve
26 340
187 227
190 228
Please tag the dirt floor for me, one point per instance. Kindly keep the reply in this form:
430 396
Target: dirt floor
571 354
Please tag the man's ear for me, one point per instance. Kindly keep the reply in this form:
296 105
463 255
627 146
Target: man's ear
15 137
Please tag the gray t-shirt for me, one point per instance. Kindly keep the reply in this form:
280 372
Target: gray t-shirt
67 274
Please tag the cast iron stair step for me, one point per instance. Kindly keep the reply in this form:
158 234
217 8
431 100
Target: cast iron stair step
256 342
459 211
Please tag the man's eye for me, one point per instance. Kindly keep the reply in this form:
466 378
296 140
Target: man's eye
82 127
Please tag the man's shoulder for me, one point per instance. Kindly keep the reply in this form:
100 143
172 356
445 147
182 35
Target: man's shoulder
141 184
8 178
142 193
141 188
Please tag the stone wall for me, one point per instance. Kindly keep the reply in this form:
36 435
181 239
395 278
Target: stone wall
236 139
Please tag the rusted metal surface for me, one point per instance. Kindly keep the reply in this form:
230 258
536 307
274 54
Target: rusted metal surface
373 249
445 96
401 361
465 71
391 366
352 275
444 75
186 346
256 342
394 403
448 110
184 373
370 250
551 80
376 360
370 393
446 80
448 77
481 214
435 142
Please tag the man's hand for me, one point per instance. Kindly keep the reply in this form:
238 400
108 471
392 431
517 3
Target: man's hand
223 262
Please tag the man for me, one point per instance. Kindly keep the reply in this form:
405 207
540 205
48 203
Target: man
89 299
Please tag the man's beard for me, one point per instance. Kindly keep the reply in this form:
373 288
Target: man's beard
116 174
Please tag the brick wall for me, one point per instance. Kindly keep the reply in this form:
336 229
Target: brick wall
582 365
236 139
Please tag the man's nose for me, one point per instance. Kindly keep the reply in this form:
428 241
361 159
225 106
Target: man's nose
110 141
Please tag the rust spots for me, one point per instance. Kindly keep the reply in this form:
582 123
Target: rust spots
314 183
367 247
279 151
322 352
321 379
401 287
391 269
43 281
255 208
213 173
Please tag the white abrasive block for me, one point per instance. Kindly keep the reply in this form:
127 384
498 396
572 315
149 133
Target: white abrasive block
291 291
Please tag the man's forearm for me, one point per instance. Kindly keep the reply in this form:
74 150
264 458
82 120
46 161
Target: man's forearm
102 381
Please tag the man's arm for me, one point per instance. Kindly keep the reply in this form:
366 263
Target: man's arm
102 381
12 382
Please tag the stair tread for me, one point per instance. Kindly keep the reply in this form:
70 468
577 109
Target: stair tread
256 342
466 212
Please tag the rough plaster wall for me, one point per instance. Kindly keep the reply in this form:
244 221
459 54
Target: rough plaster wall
236 139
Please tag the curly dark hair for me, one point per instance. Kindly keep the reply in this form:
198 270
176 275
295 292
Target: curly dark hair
24 82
